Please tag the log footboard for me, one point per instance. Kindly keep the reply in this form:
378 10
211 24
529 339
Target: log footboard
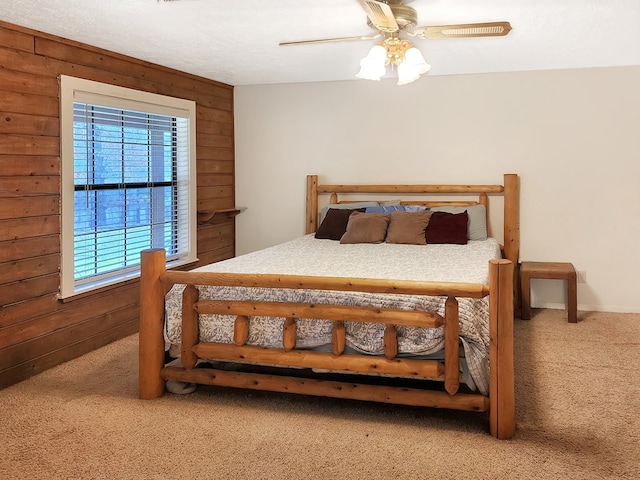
155 282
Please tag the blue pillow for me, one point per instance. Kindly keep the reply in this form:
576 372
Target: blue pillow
385 209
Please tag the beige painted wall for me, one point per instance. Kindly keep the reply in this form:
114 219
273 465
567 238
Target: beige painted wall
573 136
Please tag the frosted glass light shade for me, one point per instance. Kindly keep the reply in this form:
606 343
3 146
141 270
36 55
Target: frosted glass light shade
412 67
372 67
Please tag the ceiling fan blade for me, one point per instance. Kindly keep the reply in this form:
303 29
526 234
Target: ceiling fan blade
490 29
381 16
328 40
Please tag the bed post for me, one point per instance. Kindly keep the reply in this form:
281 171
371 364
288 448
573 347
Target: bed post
512 229
312 204
501 395
151 338
511 217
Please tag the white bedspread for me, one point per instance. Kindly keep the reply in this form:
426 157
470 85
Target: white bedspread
310 256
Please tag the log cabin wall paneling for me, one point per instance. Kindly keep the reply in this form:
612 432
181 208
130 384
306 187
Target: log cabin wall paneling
36 330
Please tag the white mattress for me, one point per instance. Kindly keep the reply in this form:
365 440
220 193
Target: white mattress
310 256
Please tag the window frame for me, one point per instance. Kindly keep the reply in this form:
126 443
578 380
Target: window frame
73 90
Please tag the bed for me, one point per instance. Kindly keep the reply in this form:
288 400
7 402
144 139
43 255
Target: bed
386 321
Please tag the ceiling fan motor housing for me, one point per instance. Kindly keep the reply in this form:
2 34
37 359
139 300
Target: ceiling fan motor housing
406 17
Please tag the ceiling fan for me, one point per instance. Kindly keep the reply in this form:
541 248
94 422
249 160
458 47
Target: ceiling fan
393 17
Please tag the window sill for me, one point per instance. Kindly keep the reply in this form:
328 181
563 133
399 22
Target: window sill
120 284
98 291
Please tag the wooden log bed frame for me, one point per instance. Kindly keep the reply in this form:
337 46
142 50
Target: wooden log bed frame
500 405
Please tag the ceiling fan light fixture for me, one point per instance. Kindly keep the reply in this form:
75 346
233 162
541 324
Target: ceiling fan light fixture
395 51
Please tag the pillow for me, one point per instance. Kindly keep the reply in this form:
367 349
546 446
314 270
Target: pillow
366 228
384 209
408 227
335 223
447 228
477 227
349 206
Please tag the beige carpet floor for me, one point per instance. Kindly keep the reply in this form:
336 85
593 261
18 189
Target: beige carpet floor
578 410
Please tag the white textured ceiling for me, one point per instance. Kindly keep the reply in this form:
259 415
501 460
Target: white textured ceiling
236 41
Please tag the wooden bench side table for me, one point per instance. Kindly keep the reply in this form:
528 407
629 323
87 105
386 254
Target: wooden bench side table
553 271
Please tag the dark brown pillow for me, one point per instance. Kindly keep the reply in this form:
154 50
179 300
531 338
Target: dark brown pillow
447 228
366 228
408 227
335 223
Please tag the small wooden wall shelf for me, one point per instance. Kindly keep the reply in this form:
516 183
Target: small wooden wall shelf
207 216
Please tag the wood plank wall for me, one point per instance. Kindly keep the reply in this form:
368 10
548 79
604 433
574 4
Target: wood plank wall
36 330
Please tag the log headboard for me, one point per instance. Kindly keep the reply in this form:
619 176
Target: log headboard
509 190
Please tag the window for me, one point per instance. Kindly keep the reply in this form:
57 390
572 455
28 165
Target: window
128 182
